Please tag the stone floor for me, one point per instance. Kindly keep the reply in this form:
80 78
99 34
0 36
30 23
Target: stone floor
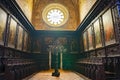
64 75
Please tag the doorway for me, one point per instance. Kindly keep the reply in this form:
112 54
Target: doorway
52 59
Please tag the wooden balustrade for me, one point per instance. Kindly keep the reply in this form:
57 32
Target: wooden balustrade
94 71
16 65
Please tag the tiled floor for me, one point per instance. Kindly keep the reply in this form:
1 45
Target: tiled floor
64 75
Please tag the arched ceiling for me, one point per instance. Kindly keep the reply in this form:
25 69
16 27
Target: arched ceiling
77 9
71 5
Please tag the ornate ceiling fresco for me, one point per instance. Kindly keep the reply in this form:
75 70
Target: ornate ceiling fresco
62 15
72 22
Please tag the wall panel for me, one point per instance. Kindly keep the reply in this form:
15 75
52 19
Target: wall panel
3 19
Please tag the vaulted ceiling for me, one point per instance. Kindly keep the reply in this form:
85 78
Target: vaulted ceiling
71 5
77 11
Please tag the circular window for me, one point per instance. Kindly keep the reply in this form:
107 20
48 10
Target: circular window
55 15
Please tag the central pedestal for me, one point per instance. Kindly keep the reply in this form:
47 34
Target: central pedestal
56 51
56 73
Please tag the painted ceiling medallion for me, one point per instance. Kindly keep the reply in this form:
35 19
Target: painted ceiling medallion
55 15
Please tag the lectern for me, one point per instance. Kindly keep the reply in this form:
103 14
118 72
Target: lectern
56 50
